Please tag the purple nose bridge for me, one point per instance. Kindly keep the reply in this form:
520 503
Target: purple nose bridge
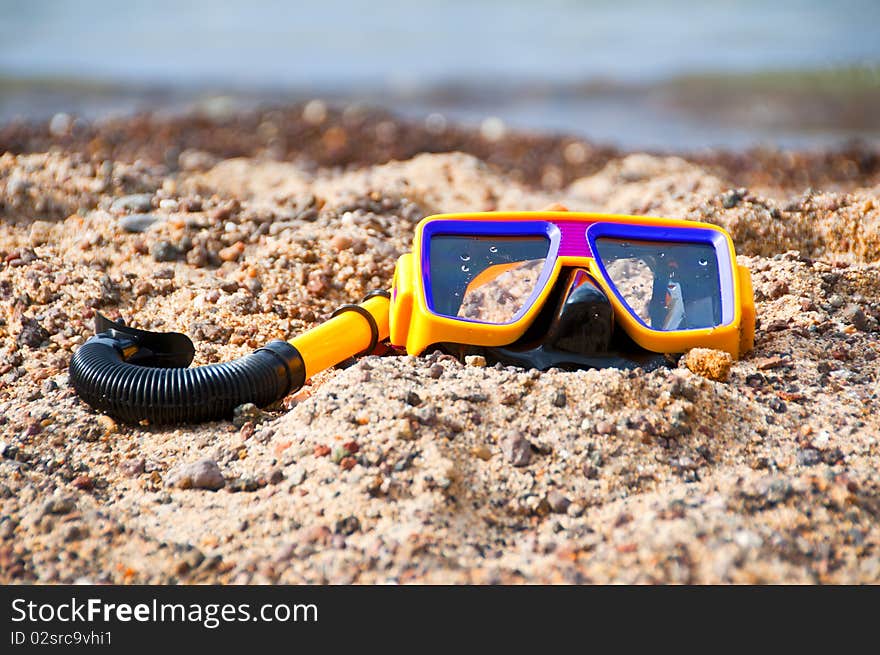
574 239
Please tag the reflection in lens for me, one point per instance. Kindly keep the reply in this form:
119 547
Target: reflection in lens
500 291
497 282
669 286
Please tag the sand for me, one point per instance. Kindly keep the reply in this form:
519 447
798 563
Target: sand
402 469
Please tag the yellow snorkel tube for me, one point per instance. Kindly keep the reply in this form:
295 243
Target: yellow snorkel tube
136 375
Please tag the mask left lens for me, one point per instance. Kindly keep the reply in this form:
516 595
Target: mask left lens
489 279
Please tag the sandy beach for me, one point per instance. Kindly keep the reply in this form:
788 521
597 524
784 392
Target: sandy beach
253 226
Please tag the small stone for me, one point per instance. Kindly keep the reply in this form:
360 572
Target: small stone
517 450
60 124
836 301
232 253
605 427
165 251
435 371
711 364
196 160
134 467
559 398
558 501
203 474
317 283
766 363
808 457
32 333
297 477
59 505
481 452
243 483
276 476
731 199
108 425
347 526
575 510
247 413
74 533
190 561
136 202
590 470
777 290
83 483
138 223
475 360
412 399
341 242
854 315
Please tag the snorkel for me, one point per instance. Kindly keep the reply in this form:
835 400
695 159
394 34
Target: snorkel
136 375
530 289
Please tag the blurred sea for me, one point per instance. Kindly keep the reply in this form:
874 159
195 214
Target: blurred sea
638 73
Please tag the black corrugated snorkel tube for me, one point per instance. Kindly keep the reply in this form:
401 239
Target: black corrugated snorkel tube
135 376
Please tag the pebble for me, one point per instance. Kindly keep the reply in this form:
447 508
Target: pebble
297 476
137 202
203 474
107 424
59 505
247 413
60 124
435 371
475 360
517 450
189 561
134 467
165 251
559 399
766 363
243 483
347 526
482 452
32 333
854 315
492 129
731 199
341 242
83 483
138 223
605 427
232 253
196 160
712 364
317 283
558 501
808 457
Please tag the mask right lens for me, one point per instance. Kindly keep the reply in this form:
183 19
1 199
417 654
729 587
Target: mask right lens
667 285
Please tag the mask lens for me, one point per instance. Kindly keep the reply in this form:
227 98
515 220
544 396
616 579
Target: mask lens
669 286
490 279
